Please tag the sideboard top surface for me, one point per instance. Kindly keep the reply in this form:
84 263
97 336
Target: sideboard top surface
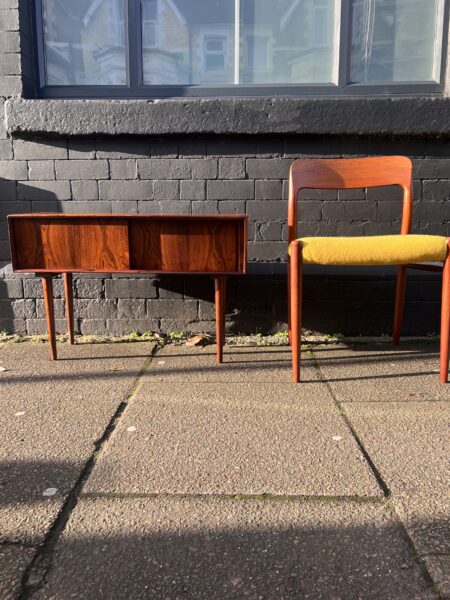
113 216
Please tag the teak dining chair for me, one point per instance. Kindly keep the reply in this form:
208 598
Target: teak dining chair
404 250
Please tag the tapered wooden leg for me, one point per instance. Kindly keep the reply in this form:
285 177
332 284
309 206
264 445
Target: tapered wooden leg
220 312
47 286
289 300
224 308
399 304
295 293
69 306
445 318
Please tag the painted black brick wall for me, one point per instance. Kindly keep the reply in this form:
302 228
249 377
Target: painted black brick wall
211 175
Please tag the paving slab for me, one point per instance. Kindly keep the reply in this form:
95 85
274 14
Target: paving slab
409 445
13 562
383 372
439 569
241 364
202 438
52 413
211 548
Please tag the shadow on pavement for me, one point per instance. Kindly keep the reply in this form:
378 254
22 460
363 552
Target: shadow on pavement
286 553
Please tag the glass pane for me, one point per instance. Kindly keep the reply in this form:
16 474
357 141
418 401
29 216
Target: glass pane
393 40
286 41
85 42
188 42
281 41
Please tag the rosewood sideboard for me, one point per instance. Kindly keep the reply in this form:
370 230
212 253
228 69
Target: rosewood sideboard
50 244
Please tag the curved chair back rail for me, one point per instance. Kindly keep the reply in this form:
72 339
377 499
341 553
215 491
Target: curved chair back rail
349 173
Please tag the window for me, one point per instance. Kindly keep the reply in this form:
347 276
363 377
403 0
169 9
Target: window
215 53
393 40
161 48
77 51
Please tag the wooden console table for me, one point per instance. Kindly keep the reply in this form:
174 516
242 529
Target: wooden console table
50 244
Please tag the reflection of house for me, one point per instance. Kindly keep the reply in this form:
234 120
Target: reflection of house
191 41
391 41
280 41
85 42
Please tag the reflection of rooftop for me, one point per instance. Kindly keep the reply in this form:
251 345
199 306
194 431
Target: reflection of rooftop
200 12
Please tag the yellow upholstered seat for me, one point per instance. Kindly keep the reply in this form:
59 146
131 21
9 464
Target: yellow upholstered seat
374 250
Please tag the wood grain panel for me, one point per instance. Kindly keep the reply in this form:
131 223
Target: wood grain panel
345 173
73 245
186 246
26 244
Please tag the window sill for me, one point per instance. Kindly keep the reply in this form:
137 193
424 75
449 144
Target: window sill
399 116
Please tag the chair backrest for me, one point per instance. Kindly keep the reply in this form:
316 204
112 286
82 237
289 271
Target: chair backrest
347 173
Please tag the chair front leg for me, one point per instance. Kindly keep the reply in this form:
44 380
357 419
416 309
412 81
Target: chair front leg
289 298
295 305
445 317
399 303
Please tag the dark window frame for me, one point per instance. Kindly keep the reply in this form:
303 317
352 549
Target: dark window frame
136 89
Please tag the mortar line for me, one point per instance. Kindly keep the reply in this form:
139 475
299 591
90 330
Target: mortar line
233 497
18 544
41 563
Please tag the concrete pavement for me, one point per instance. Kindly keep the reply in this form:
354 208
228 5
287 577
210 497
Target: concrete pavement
129 471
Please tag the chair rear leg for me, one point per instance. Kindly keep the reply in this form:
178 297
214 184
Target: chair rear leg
445 317
289 299
399 304
295 296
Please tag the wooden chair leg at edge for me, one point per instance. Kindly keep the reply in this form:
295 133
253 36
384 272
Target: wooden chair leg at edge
220 315
289 299
399 303
47 286
69 306
295 299
445 318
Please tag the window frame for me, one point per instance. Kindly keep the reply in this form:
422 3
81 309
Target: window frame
341 86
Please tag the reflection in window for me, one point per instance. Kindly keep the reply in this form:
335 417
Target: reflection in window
194 43
215 53
84 42
298 37
281 41
257 47
149 23
393 40
321 22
